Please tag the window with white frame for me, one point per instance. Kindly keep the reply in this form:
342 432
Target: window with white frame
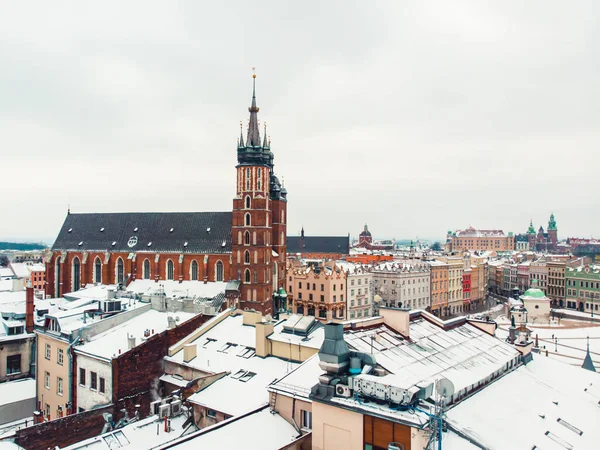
47 380
60 356
59 385
306 419
194 270
48 351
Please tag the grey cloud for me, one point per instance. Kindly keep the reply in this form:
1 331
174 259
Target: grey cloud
414 117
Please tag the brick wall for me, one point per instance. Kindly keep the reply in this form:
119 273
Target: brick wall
63 432
135 371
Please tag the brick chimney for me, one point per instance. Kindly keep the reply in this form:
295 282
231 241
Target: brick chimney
29 307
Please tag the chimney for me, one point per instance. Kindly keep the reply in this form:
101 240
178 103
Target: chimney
263 330
189 352
29 307
130 342
397 318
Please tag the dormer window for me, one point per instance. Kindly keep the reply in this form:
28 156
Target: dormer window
101 229
52 325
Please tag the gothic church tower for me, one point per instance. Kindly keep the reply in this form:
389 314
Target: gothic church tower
258 223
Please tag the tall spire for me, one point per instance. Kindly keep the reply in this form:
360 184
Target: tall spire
265 142
241 143
253 139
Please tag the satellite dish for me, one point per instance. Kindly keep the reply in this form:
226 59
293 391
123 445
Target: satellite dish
444 387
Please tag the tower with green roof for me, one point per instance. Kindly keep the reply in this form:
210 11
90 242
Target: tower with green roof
552 232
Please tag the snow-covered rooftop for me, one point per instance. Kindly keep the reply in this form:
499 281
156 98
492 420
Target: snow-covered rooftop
545 404
16 391
173 288
217 349
143 434
259 430
115 341
21 270
300 381
463 354
245 387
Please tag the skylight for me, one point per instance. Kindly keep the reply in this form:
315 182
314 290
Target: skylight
101 229
566 424
149 243
208 341
247 376
69 230
238 374
135 229
171 230
559 440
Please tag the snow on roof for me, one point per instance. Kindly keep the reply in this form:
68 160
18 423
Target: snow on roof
217 349
571 344
452 441
18 390
544 404
20 270
313 340
6 272
140 434
464 354
173 288
108 344
256 431
245 387
300 381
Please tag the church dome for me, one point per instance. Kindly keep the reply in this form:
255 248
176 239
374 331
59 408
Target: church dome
365 232
534 293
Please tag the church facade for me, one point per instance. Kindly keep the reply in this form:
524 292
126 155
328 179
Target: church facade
246 243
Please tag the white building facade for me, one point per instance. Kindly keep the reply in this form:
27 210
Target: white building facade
403 284
359 293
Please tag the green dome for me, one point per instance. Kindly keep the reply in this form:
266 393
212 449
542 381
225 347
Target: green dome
534 293
281 292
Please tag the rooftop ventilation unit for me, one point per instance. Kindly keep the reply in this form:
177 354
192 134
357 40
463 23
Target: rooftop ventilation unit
164 411
176 408
341 390
154 407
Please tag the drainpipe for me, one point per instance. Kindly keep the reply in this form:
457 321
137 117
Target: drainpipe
71 387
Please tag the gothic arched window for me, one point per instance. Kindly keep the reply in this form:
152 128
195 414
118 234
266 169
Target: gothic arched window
120 271
247 219
219 271
247 202
247 238
170 270
247 276
76 276
194 270
97 270
247 257
146 270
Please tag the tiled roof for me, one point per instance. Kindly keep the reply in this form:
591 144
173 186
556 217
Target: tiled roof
187 232
318 244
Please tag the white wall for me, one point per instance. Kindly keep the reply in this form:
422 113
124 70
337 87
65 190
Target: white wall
86 397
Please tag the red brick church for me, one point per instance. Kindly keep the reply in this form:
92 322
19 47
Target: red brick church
247 243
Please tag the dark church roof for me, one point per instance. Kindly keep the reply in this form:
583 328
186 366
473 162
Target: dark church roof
318 244
184 232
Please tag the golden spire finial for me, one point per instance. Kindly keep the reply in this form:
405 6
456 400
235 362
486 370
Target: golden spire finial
254 72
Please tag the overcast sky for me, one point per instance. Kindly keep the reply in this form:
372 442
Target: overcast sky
414 117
